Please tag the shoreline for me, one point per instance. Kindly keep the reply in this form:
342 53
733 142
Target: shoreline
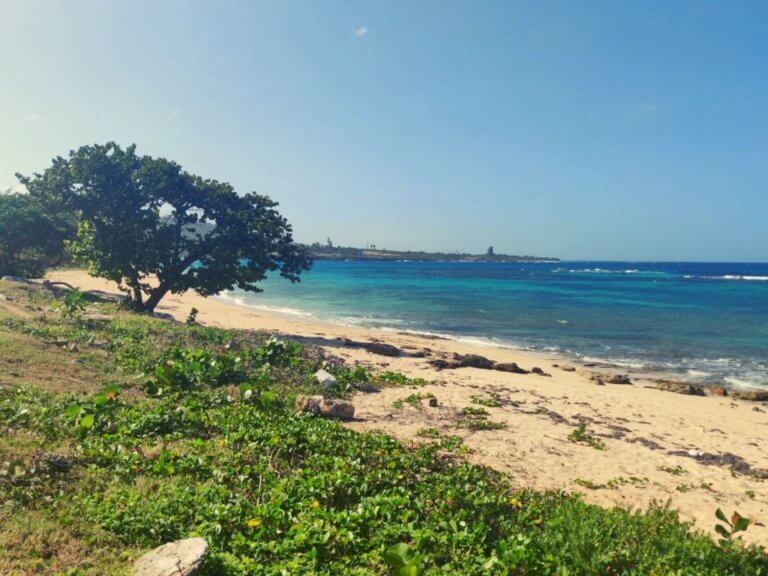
699 453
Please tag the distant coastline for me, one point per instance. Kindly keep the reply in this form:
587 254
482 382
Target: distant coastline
331 252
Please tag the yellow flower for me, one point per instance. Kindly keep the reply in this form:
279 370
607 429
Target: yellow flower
514 502
537 521
315 504
254 522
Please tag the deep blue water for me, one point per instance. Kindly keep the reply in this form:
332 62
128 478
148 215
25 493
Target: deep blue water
705 322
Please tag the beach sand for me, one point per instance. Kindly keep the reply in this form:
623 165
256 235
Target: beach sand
695 452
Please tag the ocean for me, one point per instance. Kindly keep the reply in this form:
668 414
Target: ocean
699 322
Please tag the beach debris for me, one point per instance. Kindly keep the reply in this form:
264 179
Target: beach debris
382 348
751 395
539 371
325 379
327 407
619 379
725 460
473 361
680 388
510 367
179 558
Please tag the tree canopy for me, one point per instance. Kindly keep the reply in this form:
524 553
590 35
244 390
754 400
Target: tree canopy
153 228
30 239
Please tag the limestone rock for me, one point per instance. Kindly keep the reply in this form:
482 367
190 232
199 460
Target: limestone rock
474 361
331 408
310 404
717 391
382 348
510 367
680 388
539 371
753 395
325 379
619 379
179 558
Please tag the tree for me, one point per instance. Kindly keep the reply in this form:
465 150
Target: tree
153 228
30 239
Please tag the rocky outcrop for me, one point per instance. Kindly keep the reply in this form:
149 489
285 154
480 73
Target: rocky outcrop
474 361
752 395
539 371
382 349
717 391
180 558
619 379
680 388
510 367
326 407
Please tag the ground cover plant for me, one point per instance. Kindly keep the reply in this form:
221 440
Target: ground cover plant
182 430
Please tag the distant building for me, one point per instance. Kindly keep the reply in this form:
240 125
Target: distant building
329 243
490 251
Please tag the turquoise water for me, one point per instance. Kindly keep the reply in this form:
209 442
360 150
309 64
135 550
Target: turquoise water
698 321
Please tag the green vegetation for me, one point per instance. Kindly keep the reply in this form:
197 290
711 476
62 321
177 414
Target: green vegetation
492 401
581 436
147 431
151 227
674 470
474 411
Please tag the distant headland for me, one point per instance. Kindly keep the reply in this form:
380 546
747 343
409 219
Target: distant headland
328 251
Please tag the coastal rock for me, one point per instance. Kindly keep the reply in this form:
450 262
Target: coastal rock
751 395
680 388
325 379
382 349
331 408
474 361
510 367
567 368
440 364
619 379
326 407
717 391
539 371
179 558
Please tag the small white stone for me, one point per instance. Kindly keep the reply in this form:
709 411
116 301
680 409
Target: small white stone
325 379
180 558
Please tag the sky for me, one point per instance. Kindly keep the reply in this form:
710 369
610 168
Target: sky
583 130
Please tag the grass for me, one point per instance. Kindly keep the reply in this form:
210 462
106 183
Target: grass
170 435
581 436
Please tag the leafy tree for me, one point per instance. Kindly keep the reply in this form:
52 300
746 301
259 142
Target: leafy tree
30 239
153 228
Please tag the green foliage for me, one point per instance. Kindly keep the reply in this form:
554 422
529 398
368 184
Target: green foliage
400 379
72 304
492 401
413 400
186 369
674 470
474 411
192 317
581 436
30 238
274 352
729 529
140 216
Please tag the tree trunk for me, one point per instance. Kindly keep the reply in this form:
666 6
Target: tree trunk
154 298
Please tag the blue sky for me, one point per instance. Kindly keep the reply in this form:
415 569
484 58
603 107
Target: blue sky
599 130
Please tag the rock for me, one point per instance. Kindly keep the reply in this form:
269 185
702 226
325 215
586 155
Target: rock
309 404
474 361
539 371
680 388
55 463
717 391
61 342
567 368
72 347
180 558
599 381
95 344
325 379
619 379
751 395
327 407
510 367
331 408
440 364
433 402
382 348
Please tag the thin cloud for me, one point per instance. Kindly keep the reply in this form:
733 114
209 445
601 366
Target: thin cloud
362 31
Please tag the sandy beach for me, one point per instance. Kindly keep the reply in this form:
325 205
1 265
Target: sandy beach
697 452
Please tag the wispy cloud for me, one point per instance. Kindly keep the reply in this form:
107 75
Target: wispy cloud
362 31
34 116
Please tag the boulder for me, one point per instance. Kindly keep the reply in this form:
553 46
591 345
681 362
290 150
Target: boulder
567 368
326 407
440 364
510 367
474 361
752 395
331 408
325 379
539 371
179 558
619 379
382 348
681 388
